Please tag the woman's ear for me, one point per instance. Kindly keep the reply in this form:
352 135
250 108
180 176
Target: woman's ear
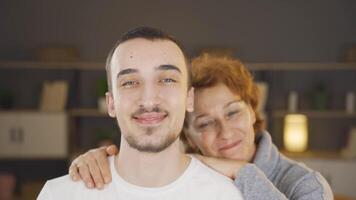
110 104
190 100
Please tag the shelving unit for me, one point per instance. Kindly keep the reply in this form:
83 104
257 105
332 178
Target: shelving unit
300 66
52 65
273 66
330 124
333 114
86 110
314 154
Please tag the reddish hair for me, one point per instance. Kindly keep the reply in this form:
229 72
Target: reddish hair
208 70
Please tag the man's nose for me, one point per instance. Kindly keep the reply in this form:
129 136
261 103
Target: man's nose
150 96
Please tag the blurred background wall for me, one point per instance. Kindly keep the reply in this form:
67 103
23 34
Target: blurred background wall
275 30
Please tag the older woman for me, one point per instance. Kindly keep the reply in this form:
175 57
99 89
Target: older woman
228 131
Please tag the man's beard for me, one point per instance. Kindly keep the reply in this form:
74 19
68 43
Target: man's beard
149 147
165 141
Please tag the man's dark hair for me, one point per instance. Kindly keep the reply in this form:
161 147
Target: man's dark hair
148 33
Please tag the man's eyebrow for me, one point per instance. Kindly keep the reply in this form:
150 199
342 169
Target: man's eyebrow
126 71
168 67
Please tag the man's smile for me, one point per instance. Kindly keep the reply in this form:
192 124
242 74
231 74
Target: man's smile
150 118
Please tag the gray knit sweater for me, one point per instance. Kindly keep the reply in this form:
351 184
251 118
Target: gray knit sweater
274 176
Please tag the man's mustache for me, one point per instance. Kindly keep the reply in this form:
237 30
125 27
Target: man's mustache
143 110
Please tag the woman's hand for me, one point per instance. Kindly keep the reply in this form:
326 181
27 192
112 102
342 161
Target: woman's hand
227 167
93 167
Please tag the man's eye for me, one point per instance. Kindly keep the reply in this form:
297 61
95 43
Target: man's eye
129 84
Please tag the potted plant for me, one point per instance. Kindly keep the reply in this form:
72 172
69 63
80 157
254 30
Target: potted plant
320 97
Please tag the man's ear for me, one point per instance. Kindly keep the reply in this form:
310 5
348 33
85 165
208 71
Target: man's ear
190 100
110 104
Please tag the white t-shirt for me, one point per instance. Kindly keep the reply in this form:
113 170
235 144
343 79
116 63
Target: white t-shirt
197 182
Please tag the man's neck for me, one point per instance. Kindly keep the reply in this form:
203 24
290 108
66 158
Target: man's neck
151 169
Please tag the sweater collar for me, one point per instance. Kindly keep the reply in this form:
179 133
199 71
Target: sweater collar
267 155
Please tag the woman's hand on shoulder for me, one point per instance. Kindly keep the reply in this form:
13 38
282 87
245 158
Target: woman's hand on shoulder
93 167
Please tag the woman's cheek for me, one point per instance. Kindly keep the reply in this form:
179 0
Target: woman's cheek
208 144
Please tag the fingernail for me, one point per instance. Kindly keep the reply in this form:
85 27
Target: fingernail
75 178
107 180
100 186
90 185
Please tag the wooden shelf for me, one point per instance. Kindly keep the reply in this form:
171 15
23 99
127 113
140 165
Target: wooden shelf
87 112
329 114
27 110
300 66
52 65
275 66
314 154
74 112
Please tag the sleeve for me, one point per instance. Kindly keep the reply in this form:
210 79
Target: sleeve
312 186
45 193
254 184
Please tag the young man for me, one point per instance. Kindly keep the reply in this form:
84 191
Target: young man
148 94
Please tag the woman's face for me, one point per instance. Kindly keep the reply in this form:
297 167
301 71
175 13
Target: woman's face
222 124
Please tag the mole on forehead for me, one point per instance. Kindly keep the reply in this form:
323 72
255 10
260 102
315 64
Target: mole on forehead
131 55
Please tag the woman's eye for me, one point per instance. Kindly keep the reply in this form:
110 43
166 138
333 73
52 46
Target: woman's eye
232 113
205 125
168 80
201 126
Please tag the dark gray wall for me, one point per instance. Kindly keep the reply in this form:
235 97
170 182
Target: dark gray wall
275 30
260 31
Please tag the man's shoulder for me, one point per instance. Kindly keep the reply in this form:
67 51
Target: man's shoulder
64 188
205 172
206 176
214 184
64 182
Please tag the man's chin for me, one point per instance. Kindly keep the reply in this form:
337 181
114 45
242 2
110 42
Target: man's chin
149 147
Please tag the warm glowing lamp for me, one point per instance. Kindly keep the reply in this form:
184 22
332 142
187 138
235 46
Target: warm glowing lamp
295 132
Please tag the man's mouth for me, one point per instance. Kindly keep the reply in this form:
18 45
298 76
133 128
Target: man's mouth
230 146
150 118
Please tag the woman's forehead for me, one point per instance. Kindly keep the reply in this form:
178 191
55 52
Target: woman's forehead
218 95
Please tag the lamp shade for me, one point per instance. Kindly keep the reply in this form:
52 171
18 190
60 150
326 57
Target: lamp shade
295 132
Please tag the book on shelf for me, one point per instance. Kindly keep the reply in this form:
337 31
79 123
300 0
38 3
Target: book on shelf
54 96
